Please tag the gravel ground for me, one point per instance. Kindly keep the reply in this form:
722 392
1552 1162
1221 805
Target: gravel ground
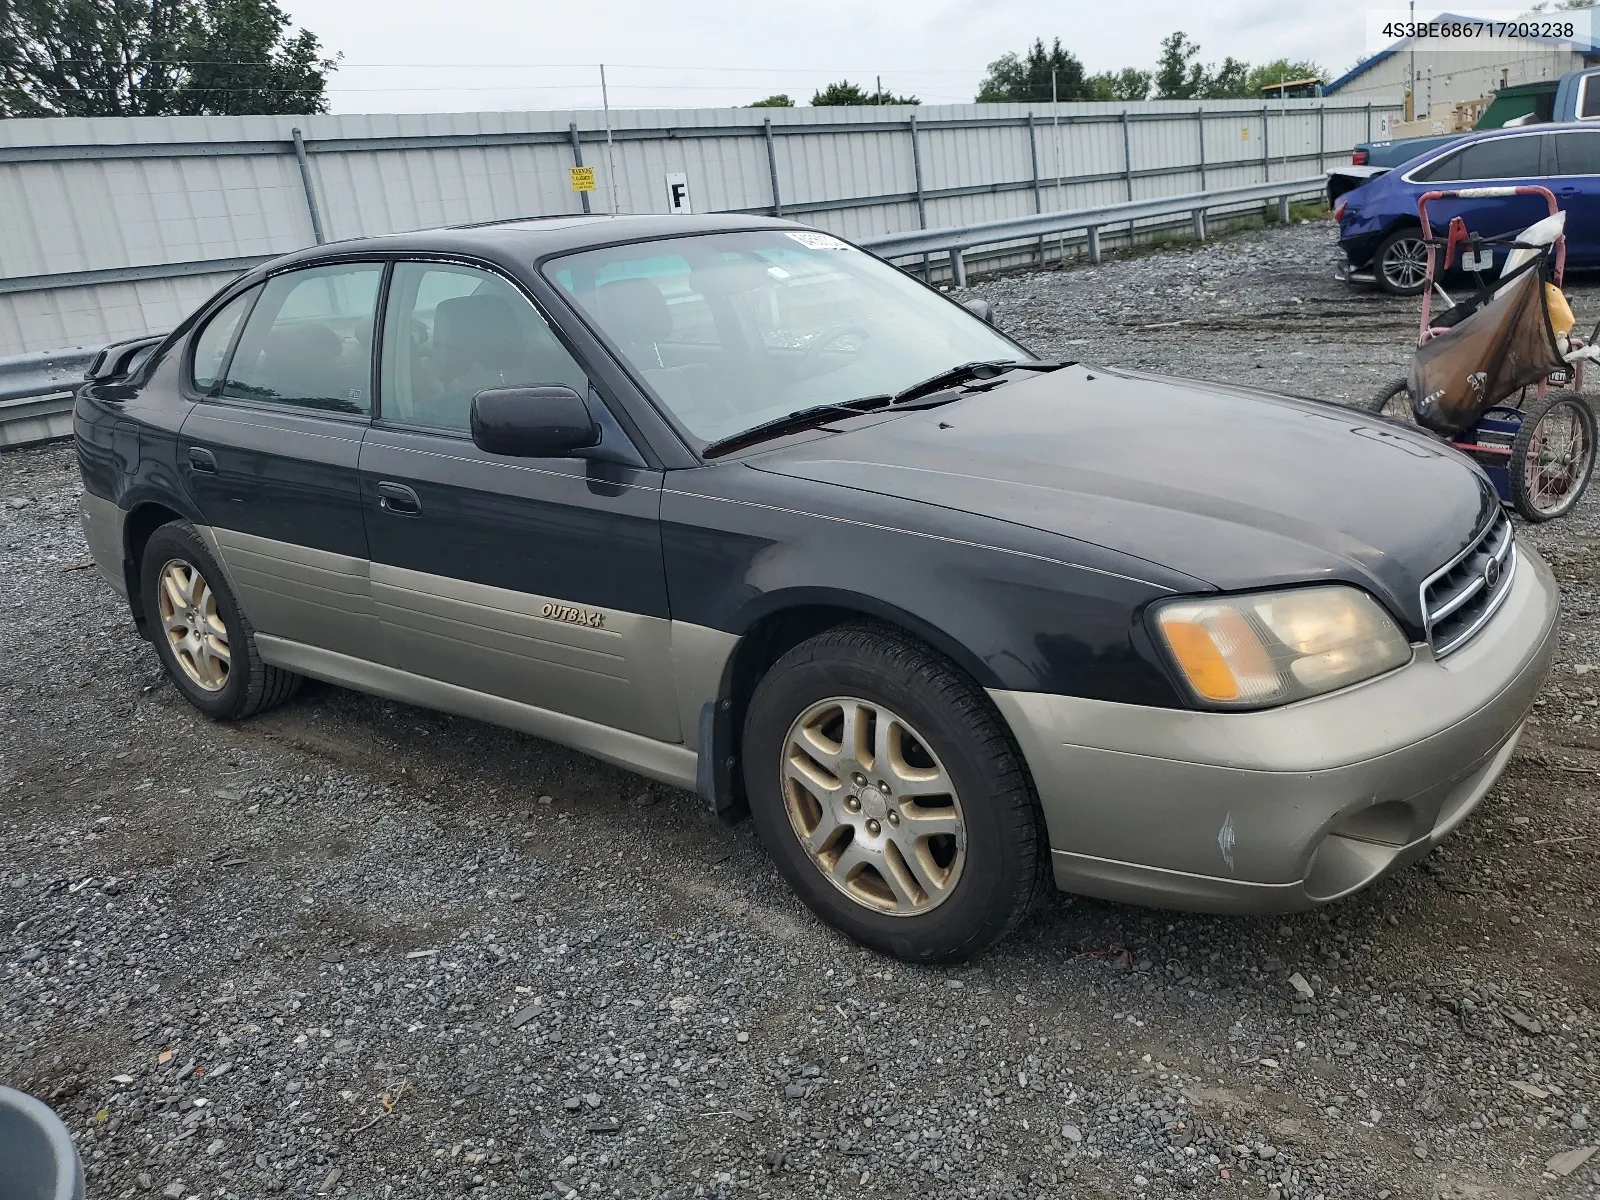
357 949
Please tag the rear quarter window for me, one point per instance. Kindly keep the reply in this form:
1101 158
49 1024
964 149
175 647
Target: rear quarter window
1440 170
212 342
1577 152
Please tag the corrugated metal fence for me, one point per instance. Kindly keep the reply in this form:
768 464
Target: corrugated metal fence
114 227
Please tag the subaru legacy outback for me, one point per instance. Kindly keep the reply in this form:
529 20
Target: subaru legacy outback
731 503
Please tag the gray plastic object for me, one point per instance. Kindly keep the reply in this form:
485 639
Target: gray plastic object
37 1158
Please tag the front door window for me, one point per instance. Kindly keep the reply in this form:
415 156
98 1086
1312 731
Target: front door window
453 331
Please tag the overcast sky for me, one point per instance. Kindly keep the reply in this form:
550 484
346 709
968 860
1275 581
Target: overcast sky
456 55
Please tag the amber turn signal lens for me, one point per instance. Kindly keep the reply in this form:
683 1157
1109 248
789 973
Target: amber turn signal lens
1201 661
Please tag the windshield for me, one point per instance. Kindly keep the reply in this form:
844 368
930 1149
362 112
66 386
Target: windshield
728 330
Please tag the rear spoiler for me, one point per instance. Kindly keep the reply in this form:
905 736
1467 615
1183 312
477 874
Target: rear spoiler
121 359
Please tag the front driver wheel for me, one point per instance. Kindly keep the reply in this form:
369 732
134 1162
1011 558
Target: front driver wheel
1401 262
202 637
891 796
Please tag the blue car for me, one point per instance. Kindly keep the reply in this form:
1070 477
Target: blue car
1382 238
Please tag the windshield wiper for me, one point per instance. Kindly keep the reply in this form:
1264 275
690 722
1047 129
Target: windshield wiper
981 369
805 418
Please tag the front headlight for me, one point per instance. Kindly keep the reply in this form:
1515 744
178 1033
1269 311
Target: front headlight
1274 647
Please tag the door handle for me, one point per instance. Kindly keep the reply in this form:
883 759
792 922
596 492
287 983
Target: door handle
202 461
398 498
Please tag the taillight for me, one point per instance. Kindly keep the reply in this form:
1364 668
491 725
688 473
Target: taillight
1338 211
1358 159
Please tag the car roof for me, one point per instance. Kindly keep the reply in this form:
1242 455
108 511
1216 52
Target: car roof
1474 136
1488 135
522 241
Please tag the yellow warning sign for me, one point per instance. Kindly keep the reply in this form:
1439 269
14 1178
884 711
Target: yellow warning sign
582 178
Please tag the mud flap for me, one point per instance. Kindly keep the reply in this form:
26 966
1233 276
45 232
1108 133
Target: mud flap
714 779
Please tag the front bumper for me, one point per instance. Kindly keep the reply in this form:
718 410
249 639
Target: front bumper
1288 808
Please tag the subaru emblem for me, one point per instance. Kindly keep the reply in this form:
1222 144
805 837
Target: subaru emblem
1491 574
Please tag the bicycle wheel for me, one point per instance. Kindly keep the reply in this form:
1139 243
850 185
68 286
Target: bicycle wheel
1392 400
1552 456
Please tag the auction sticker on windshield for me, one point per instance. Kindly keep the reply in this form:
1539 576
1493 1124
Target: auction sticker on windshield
817 241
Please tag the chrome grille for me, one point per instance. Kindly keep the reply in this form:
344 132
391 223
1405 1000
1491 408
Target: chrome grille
1459 599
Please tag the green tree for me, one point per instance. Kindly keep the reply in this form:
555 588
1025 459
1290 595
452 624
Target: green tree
128 58
1027 79
1281 70
1130 83
845 92
1179 76
242 59
778 101
1230 81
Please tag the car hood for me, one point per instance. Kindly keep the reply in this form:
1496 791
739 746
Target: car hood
1231 486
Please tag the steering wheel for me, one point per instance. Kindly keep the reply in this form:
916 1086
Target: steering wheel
827 337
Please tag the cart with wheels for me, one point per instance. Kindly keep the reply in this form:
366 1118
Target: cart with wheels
1522 415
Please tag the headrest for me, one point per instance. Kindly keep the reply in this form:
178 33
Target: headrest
310 343
634 312
477 329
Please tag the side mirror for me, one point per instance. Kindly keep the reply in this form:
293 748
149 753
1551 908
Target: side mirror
981 309
532 422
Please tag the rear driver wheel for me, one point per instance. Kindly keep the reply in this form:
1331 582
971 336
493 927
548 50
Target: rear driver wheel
204 640
891 796
1401 262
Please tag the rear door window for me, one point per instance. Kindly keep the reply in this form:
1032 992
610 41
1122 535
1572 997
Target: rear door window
308 341
1501 158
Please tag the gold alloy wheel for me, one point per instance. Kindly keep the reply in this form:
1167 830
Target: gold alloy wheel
873 807
195 633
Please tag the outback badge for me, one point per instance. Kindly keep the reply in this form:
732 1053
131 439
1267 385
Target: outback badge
577 616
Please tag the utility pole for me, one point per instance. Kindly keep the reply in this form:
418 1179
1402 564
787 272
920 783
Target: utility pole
1283 111
610 149
1055 114
1411 93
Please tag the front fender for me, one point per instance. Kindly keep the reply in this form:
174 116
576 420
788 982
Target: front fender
1016 608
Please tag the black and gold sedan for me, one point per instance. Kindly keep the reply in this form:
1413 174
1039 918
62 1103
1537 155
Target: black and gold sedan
734 504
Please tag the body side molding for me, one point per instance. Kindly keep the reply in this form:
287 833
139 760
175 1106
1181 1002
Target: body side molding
662 761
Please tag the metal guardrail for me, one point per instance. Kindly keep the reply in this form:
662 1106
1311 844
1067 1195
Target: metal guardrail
36 389
957 239
36 394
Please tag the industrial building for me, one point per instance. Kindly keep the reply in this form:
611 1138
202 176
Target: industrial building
1447 78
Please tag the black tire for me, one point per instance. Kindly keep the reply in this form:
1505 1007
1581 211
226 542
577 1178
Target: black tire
1400 261
1525 476
250 685
1392 400
1006 859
